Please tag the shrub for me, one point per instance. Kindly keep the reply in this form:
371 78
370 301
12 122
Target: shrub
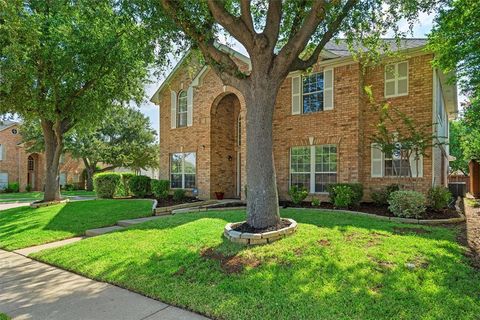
298 194
13 187
106 184
407 204
69 187
179 195
439 197
356 188
160 188
126 176
380 197
316 202
139 186
28 187
344 196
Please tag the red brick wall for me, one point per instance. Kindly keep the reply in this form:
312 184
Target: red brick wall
348 125
16 162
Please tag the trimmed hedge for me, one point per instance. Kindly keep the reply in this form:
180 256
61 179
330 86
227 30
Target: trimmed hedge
126 176
139 186
160 188
357 192
106 184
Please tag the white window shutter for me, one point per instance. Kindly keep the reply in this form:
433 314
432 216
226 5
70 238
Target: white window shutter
296 95
413 166
189 106
328 89
173 109
1 152
376 161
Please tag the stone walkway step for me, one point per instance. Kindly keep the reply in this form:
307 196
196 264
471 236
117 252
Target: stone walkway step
99 231
56 244
130 222
33 290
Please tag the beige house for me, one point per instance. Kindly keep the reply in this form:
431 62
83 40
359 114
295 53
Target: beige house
322 124
18 165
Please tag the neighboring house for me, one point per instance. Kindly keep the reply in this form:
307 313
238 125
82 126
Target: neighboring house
19 165
150 172
322 124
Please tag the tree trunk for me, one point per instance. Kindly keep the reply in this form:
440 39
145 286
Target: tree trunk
90 170
53 150
262 201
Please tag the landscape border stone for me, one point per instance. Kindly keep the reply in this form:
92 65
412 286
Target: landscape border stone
257 238
197 205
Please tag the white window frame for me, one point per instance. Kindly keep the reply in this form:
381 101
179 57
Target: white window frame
302 94
395 79
313 168
2 152
382 163
182 98
183 169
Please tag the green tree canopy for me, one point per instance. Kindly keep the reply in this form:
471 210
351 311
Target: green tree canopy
65 62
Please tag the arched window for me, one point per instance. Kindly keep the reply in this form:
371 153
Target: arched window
182 109
31 163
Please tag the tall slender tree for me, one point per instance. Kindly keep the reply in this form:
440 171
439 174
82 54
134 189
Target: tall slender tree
276 35
65 62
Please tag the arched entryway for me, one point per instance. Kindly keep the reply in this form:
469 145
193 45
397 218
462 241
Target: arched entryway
225 138
32 171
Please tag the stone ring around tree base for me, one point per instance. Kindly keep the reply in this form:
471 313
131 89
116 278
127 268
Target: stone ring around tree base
258 238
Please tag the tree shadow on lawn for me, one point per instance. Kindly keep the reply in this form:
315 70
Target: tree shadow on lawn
320 272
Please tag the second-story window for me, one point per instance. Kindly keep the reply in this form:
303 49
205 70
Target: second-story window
312 93
182 109
396 79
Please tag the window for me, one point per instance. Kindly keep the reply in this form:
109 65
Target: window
182 170
396 79
3 180
14 131
313 92
30 163
63 179
182 109
313 167
2 151
395 164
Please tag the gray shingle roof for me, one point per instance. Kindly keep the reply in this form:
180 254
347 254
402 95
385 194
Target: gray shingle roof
340 48
6 123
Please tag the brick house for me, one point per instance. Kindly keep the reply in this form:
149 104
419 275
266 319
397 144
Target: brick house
322 123
18 165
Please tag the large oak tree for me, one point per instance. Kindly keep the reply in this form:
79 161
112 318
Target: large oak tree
280 37
65 62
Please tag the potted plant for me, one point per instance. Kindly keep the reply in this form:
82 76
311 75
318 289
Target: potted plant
219 195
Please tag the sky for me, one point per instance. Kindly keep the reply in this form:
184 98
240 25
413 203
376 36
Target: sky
421 29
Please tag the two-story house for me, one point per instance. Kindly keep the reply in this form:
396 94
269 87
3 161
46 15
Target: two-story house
19 165
322 126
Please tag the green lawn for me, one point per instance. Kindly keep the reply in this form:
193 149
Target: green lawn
24 226
37 195
336 266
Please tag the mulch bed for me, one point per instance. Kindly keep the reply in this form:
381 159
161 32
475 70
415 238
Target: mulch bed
245 227
373 208
171 202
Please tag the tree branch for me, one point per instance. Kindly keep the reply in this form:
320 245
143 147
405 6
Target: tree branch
247 15
219 60
274 17
234 25
333 27
299 40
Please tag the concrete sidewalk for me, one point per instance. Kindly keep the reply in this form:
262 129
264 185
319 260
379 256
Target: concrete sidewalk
33 290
